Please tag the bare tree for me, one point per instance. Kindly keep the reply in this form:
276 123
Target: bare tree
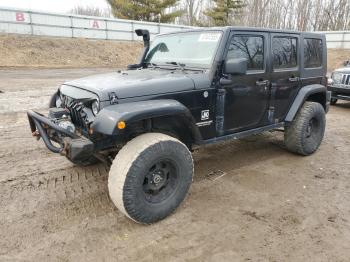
193 7
90 11
298 14
304 15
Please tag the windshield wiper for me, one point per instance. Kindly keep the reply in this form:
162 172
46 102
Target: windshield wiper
180 65
153 65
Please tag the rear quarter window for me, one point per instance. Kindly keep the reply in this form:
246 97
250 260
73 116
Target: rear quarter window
313 49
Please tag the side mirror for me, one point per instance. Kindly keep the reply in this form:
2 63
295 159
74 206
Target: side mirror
236 66
346 63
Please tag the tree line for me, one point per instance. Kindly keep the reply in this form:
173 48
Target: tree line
303 15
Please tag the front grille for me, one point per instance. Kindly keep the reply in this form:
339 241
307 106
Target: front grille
345 79
75 108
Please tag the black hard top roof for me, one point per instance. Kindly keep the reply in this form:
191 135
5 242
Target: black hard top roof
244 28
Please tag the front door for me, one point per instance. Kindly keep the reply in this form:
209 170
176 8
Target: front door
247 98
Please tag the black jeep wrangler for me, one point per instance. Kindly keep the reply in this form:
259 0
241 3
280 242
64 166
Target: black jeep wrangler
190 88
339 84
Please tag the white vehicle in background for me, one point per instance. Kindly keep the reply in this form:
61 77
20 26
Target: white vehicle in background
339 83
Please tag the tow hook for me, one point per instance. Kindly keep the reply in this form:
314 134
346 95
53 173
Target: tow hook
63 151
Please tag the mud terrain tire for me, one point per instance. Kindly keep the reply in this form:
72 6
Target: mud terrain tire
150 177
305 133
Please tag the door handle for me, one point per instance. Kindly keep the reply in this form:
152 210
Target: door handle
262 82
293 79
225 81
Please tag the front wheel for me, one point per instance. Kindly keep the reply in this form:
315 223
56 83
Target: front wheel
150 177
305 133
55 101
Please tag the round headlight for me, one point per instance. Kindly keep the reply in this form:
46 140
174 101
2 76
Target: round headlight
95 107
58 101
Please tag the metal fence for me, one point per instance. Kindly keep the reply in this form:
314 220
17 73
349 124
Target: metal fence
338 39
52 24
20 21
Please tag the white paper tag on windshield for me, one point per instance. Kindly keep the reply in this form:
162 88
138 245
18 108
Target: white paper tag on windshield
209 37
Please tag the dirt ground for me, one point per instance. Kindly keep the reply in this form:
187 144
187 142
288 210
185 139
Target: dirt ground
250 200
336 58
54 52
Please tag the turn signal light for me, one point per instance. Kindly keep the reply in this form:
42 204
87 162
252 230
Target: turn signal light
121 125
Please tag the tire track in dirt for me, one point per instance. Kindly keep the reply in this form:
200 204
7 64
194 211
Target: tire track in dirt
53 199
19 101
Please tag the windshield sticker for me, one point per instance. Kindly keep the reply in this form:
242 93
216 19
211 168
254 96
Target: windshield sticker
209 37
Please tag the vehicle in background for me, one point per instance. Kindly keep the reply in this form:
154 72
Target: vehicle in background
339 83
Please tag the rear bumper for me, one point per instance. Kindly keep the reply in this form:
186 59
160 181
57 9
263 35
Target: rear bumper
75 147
341 97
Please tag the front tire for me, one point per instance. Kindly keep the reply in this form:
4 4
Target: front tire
54 100
150 177
305 133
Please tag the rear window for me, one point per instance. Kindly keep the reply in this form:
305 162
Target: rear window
312 52
284 52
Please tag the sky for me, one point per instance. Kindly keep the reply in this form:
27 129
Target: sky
57 6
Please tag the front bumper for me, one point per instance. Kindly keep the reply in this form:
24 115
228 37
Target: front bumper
340 92
76 148
339 89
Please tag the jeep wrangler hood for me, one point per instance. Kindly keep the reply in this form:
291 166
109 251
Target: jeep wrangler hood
134 83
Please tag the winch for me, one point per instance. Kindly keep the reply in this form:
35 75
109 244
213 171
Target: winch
61 117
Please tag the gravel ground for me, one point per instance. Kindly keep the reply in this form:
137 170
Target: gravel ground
250 199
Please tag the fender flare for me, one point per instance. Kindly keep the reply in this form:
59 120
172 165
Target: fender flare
107 119
302 96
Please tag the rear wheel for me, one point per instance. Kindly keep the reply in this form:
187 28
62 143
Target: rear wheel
305 133
150 177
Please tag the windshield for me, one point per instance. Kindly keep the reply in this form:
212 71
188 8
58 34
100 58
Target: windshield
193 49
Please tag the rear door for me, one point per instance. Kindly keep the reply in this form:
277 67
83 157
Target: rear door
285 73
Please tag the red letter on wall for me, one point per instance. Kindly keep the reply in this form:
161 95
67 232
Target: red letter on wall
20 17
95 24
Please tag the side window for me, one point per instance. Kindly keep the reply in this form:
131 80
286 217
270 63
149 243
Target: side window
312 52
284 50
249 47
